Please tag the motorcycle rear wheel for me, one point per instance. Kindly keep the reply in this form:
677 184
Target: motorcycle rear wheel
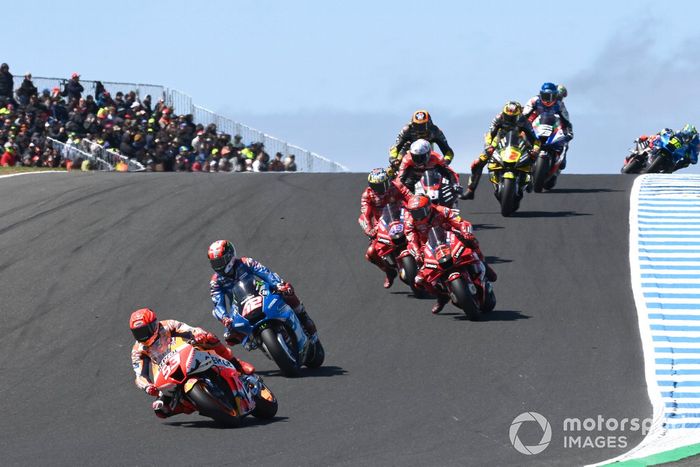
459 293
286 363
211 407
508 194
540 174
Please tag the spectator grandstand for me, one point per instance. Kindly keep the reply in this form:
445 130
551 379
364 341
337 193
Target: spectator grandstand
52 122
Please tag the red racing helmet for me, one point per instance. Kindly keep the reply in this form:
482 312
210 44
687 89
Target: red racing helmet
144 325
420 208
222 255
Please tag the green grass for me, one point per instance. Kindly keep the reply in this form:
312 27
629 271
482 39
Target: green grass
19 169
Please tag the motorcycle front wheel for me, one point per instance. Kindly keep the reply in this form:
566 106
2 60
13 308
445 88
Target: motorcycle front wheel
265 403
508 197
282 353
459 293
210 406
656 166
540 174
632 167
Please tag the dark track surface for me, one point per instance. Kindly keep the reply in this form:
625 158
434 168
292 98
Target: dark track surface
401 386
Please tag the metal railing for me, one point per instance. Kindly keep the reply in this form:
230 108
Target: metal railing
306 161
111 156
70 151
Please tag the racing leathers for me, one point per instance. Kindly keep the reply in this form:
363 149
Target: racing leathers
371 205
535 108
410 172
498 126
417 236
221 289
142 356
415 131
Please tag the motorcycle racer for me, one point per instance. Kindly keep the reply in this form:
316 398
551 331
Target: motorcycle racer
691 145
511 117
380 192
228 269
423 215
551 101
420 127
152 343
420 158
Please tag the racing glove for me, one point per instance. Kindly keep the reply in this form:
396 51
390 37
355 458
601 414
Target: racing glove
205 338
448 157
152 390
286 288
227 322
489 150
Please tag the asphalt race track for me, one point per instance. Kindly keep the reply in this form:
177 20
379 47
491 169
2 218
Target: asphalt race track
400 386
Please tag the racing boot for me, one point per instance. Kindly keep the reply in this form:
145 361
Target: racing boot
390 276
477 167
306 322
442 300
164 408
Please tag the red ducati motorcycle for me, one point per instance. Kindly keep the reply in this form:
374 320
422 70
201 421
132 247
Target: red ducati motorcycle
391 243
455 268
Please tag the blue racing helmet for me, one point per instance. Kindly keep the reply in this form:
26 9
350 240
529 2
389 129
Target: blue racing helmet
549 94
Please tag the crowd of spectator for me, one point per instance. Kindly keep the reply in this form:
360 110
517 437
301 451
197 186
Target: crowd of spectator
140 129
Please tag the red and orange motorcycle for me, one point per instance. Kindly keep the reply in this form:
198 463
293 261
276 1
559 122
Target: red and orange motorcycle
212 385
450 265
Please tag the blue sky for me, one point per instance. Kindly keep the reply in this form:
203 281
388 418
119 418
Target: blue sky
341 78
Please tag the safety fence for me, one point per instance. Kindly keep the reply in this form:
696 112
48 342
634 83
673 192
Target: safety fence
181 103
72 152
112 157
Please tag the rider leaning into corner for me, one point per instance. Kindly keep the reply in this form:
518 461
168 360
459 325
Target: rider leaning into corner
152 343
421 157
421 126
510 118
380 192
229 269
688 140
423 215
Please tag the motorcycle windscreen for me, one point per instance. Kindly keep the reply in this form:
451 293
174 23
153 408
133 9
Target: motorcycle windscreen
244 289
511 146
436 238
391 213
431 179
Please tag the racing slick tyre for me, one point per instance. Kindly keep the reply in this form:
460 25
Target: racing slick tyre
265 403
408 270
540 174
319 355
549 184
508 197
657 166
490 301
632 167
210 406
282 348
459 293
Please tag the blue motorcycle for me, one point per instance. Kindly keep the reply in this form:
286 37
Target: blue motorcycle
271 325
667 155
